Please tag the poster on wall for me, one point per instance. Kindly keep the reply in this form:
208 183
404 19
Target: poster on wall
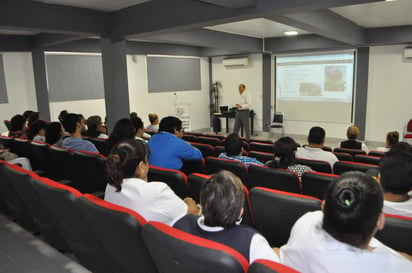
182 111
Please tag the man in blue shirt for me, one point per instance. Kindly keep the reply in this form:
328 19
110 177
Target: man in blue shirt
168 150
72 124
233 148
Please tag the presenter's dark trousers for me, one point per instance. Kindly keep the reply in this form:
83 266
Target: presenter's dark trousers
242 118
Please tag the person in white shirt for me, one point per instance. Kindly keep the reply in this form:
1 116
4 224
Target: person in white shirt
243 111
126 169
395 176
340 239
313 150
352 143
96 128
222 200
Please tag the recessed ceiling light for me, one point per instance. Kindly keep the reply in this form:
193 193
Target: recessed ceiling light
290 33
389 0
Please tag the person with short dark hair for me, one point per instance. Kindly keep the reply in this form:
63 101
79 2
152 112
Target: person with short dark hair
154 122
222 200
54 134
395 175
340 239
33 117
95 127
352 142
284 157
233 151
73 125
168 148
392 138
126 170
17 127
313 150
26 114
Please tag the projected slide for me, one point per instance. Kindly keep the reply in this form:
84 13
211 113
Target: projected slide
315 78
315 87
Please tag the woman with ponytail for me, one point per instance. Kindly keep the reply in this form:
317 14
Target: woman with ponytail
339 238
284 153
126 170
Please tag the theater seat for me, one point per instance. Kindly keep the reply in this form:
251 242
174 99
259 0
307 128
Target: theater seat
316 165
315 183
175 251
206 149
396 233
175 179
345 166
275 212
25 183
119 231
89 170
261 156
196 181
214 165
279 179
84 244
265 266
368 159
352 152
261 147
13 200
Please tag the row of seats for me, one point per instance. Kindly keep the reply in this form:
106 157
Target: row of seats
85 171
82 170
108 238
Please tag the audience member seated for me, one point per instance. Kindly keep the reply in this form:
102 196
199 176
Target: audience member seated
136 122
168 148
234 149
126 170
139 127
221 200
26 114
352 143
313 150
395 169
154 123
18 127
33 117
37 131
391 139
340 239
54 134
96 128
123 129
62 114
83 124
73 125
284 153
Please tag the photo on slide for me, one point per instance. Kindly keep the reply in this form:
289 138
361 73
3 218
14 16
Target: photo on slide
310 89
335 78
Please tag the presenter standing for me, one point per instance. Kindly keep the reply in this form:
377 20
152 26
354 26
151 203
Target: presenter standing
243 111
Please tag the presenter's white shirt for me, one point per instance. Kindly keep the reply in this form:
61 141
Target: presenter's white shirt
245 100
316 154
311 249
398 208
155 201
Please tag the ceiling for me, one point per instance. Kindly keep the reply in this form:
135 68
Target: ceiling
220 26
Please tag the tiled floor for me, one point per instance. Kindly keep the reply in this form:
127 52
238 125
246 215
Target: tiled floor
22 252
